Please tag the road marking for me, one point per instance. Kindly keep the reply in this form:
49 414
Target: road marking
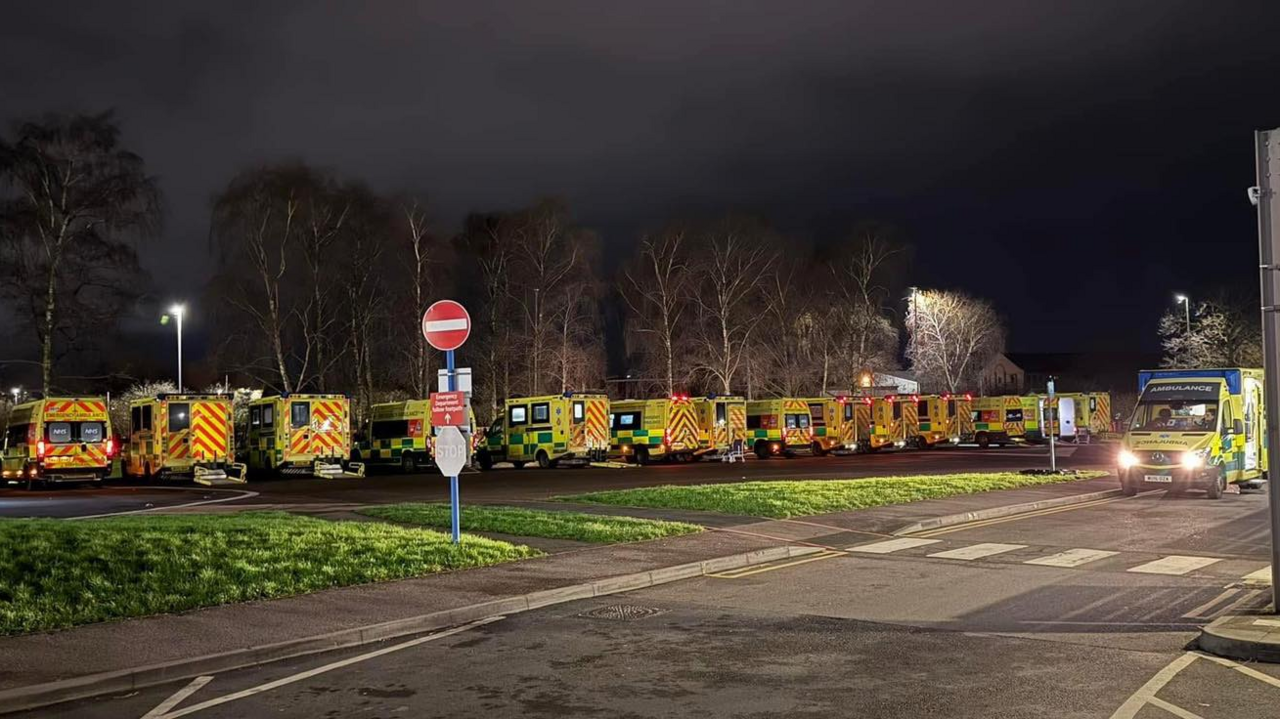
1174 564
978 551
1173 709
178 696
893 545
1202 610
1267 622
240 494
1019 517
1072 558
748 571
1262 576
1147 691
1247 671
1242 601
302 676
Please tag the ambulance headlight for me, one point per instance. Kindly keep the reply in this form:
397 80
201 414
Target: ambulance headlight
1127 459
1193 460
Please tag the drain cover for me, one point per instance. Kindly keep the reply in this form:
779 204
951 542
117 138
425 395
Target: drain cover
622 612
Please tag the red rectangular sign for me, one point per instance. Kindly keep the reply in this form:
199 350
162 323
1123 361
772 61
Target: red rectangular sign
449 409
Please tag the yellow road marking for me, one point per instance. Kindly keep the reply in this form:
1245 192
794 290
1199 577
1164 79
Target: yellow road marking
1016 517
748 571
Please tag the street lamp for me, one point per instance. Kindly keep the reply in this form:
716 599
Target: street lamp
16 392
1186 304
177 311
915 321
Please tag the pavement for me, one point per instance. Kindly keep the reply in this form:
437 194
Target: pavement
1089 610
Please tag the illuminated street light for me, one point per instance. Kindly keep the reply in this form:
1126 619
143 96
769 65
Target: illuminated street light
1186 304
177 311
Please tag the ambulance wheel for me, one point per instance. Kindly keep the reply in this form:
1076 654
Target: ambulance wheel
641 456
1130 489
983 441
762 449
817 449
1215 490
409 463
544 460
485 460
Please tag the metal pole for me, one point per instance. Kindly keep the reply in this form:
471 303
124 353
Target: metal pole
180 314
1049 413
1186 304
455 511
1268 164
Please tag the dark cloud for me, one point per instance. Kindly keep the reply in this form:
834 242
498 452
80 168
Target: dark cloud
1076 162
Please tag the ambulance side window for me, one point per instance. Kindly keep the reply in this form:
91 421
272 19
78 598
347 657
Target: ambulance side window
579 411
541 413
1013 415
299 414
179 417
951 408
268 416
922 407
816 412
848 412
517 414
135 419
1226 418
255 416
16 436
753 421
146 417
897 410
626 420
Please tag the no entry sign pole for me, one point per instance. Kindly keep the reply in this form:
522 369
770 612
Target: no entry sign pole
446 325
455 502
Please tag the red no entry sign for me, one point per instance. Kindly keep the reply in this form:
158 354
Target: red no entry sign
446 325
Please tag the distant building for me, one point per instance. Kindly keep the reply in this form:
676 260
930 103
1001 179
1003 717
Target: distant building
1002 376
894 382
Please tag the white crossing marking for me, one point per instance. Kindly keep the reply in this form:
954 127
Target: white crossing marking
1147 691
1262 576
1173 709
892 545
1267 622
978 551
1203 609
191 688
445 325
1071 558
1174 564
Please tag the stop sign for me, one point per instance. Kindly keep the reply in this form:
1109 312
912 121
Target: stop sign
451 451
446 325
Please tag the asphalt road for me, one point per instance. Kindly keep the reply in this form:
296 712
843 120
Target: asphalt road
532 483
1083 612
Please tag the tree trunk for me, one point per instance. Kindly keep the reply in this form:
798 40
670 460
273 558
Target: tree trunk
46 349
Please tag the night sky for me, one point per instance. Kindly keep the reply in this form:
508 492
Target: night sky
1075 162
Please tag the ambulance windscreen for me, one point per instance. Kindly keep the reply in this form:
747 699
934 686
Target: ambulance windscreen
1178 407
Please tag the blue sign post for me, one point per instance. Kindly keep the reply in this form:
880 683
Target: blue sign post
455 509
446 325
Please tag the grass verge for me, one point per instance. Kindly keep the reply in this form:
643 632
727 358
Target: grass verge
799 498
55 573
535 522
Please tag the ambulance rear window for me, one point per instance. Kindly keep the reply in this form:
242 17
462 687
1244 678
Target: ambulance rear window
1013 415
179 417
722 413
626 420
91 431
541 413
299 414
59 432
848 412
579 411
268 416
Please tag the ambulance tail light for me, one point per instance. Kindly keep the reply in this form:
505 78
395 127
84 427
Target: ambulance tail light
111 447
40 449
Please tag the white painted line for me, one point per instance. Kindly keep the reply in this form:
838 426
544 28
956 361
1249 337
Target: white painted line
446 325
978 551
1147 691
1071 558
1262 576
240 494
892 545
1174 564
302 676
1267 622
178 696
1247 671
1243 601
1202 610
1174 709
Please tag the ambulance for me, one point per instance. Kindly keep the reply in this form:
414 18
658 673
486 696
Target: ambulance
943 419
564 428
722 422
182 435
895 422
833 424
302 434
1002 420
400 434
645 430
61 439
1092 412
779 427
1195 429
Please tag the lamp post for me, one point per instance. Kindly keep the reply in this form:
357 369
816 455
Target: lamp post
16 392
1186 305
177 311
915 324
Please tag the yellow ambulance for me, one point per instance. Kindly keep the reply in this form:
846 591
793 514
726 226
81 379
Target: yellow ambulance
1004 419
300 434
722 421
895 422
644 430
60 439
400 434
943 419
833 423
778 427
188 435
550 430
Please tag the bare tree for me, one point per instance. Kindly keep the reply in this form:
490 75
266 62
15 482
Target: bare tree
491 241
656 293
952 337
865 338
77 199
1225 331
735 257
326 208
421 256
550 253
787 351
